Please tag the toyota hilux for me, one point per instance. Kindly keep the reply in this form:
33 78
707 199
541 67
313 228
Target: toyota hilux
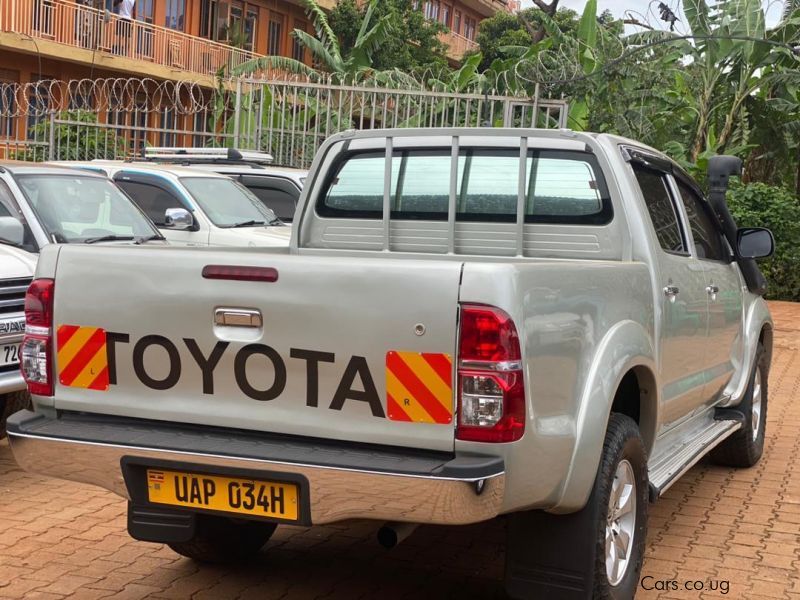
545 325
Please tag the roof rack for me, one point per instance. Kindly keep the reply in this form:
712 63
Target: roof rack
188 156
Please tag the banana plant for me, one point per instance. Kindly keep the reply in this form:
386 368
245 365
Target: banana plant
326 49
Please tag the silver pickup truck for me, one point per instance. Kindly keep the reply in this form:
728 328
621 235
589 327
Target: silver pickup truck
468 323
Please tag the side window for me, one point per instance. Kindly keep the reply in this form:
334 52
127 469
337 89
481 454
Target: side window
151 199
707 239
661 209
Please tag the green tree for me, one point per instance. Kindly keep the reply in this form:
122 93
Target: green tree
760 205
414 44
505 30
81 138
345 64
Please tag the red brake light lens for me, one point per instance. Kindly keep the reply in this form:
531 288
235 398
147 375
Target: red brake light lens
240 273
39 303
487 333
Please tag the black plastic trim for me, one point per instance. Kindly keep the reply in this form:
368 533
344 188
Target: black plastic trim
251 445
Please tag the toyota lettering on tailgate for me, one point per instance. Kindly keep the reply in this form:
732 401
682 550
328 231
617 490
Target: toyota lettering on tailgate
422 392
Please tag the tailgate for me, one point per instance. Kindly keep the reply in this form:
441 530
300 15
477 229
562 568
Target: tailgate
356 349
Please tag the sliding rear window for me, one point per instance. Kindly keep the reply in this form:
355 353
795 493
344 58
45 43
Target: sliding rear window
562 187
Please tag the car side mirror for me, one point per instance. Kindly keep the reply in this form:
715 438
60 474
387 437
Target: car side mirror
755 242
12 230
179 219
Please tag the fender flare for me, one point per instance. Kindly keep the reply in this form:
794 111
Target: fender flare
625 346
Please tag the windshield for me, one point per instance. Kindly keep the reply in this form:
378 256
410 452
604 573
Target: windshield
227 203
75 208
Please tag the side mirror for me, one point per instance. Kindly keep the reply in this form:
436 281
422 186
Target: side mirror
179 219
755 242
12 230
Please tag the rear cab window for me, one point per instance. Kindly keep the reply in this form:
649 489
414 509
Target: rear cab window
562 187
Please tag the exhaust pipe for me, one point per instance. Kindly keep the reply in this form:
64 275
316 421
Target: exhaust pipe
391 534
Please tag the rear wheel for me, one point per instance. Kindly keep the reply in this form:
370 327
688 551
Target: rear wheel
223 540
744 448
598 551
620 490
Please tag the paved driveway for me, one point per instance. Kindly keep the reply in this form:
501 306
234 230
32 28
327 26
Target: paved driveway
731 534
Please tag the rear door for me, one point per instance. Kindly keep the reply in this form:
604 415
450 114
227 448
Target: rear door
357 349
725 347
683 302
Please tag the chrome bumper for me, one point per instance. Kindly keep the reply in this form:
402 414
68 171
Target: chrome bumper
463 490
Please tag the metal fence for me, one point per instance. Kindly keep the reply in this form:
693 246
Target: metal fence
117 118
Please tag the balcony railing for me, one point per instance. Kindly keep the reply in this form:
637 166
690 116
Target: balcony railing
457 45
83 27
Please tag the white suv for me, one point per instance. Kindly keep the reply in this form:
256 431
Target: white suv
277 187
195 207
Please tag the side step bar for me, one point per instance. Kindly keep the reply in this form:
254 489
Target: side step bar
663 473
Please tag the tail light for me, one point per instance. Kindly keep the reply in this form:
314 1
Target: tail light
491 389
37 345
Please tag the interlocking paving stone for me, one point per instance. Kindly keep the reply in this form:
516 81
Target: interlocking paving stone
725 529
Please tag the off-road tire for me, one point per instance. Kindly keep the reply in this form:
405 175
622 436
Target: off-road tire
11 403
740 449
222 540
623 442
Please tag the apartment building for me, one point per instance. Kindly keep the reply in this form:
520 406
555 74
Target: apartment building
177 39
46 41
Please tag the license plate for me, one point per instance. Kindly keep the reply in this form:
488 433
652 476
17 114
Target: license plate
226 494
9 355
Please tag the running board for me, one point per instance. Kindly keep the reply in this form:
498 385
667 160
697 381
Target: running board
675 463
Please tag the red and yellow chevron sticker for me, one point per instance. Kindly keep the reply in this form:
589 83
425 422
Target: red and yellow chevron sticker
419 387
82 358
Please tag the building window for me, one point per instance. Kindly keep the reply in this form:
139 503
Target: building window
250 28
8 91
469 28
167 138
38 103
200 128
298 49
445 16
432 9
214 16
176 11
275 35
81 97
457 22
144 11
144 36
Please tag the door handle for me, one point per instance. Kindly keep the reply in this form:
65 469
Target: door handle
671 291
712 291
238 317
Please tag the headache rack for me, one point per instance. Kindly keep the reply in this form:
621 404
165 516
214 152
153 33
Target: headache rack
532 219
207 156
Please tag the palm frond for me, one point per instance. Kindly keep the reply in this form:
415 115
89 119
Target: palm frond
278 63
332 60
323 28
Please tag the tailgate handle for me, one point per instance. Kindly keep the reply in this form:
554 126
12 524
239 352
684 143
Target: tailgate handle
238 317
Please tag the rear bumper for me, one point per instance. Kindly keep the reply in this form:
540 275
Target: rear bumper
344 481
11 381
